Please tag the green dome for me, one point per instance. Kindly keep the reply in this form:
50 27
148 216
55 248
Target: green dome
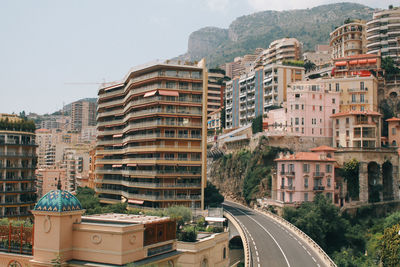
58 201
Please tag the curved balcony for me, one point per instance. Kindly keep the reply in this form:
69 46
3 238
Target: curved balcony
141 173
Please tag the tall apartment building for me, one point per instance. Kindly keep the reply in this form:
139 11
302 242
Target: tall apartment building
242 65
309 107
356 93
256 92
215 93
83 114
17 172
281 50
44 142
244 99
383 34
277 77
151 146
348 40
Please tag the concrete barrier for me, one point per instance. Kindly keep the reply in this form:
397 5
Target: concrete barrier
245 241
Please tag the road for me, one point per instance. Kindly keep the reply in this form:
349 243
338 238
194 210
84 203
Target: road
271 244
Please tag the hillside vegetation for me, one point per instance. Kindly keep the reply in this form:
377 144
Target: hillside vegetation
246 33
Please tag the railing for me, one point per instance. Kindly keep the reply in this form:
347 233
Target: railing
318 174
18 167
149 173
151 185
123 161
17 178
288 187
319 188
288 173
15 154
148 197
16 239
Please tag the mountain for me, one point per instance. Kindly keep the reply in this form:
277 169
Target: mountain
246 33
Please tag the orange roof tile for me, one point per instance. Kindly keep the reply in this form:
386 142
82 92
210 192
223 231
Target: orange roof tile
393 119
346 113
323 148
304 156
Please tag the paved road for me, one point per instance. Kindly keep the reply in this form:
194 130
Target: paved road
271 244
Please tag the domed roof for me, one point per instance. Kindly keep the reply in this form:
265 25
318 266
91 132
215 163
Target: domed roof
58 201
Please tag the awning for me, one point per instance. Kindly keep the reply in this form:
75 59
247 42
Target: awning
135 201
341 63
168 93
151 93
117 145
373 60
362 61
215 219
116 165
117 135
131 164
353 62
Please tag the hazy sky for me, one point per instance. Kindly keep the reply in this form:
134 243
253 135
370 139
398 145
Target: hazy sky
45 45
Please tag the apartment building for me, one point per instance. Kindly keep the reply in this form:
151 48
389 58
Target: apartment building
356 129
348 39
310 105
151 145
394 131
282 50
242 65
48 179
277 77
383 33
83 114
214 122
17 172
215 93
244 99
320 57
302 175
362 65
356 93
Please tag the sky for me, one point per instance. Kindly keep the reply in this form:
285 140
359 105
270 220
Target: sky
53 52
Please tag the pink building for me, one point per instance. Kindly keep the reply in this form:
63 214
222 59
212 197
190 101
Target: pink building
302 175
309 107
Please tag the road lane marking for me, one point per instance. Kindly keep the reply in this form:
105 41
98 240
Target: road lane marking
308 252
273 238
314 259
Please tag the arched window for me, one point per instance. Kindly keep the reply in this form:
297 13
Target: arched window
204 263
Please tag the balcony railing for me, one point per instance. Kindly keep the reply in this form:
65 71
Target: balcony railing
318 174
147 197
319 188
147 185
288 173
147 173
288 187
15 154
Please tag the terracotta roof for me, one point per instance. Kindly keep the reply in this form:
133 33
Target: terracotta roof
393 119
304 156
346 113
323 148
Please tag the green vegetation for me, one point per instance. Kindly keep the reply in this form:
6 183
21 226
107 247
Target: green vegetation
295 63
212 197
6 221
362 240
309 66
390 68
257 124
350 175
188 234
23 125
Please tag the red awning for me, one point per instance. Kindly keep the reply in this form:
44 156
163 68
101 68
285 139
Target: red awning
341 63
362 61
116 165
372 60
151 93
117 135
131 164
353 62
168 93
135 201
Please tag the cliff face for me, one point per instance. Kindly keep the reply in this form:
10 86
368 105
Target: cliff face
246 33
244 175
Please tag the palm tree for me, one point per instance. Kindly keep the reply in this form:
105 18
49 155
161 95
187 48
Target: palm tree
309 66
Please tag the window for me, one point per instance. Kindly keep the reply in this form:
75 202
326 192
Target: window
302 106
362 98
337 133
224 253
297 106
328 182
297 121
302 121
361 86
330 87
305 196
317 168
347 133
333 111
320 108
290 197
337 121
337 87
306 167
393 131
328 168
353 98
347 120
333 100
305 182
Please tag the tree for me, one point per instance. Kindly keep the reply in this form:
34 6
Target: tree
309 66
223 119
389 246
188 234
257 124
390 68
321 221
212 197
351 175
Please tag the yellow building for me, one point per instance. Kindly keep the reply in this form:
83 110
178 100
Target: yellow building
356 93
348 40
152 130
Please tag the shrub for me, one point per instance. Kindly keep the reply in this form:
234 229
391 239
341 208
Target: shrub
188 234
